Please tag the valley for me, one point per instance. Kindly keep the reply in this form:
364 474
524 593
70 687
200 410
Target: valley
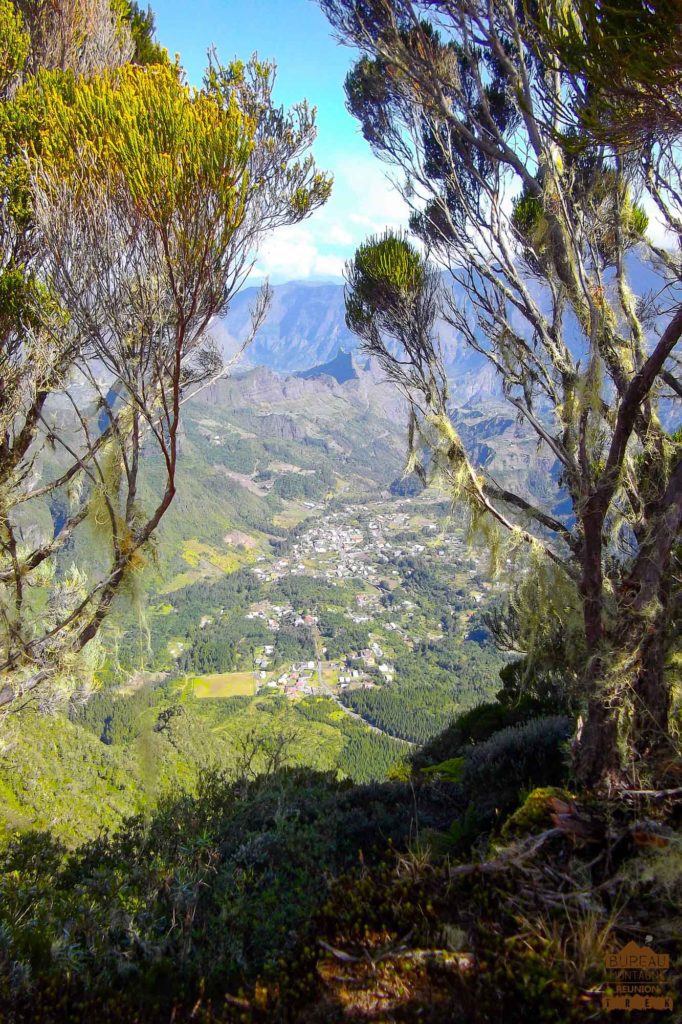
340 512
353 590
304 606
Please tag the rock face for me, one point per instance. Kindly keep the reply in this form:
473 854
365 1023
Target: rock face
341 368
305 331
305 326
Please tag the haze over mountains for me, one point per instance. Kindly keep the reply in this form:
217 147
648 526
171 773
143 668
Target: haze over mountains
306 328
304 360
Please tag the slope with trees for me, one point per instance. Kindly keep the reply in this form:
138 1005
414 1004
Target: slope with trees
131 210
536 219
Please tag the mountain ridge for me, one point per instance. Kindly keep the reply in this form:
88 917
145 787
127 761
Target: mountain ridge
305 329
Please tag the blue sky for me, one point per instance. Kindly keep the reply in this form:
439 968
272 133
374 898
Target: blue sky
311 64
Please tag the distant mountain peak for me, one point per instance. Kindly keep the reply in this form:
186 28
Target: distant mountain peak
341 368
305 332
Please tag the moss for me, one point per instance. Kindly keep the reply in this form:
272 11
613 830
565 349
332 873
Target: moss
450 770
534 813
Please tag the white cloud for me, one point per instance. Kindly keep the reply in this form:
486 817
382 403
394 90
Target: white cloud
329 266
363 202
288 254
657 231
338 235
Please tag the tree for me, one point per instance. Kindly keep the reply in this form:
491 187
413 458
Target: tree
82 35
142 29
539 225
132 210
625 63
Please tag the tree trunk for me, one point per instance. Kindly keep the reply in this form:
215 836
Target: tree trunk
627 729
652 702
596 753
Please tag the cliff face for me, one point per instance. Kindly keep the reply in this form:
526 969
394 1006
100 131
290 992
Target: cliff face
306 328
265 391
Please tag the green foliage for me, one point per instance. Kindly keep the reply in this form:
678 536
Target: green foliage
238 868
366 756
121 752
254 870
142 28
516 758
431 684
340 635
452 769
471 727
14 44
292 486
162 188
627 55
293 643
387 270
542 616
517 124
59 776
527 215
144 131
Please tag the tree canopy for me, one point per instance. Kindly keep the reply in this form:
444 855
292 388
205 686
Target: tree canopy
539 219
131 211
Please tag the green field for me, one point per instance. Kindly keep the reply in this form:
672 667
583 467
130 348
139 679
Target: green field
225 684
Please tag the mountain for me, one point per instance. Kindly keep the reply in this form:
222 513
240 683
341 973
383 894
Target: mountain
306 328
341 368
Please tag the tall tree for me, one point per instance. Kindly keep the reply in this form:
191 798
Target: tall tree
131 212
624 59
538 223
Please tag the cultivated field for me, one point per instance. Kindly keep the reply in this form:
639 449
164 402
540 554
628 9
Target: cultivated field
225 684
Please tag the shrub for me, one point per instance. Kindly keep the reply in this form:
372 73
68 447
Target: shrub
473 726
516 758
208 890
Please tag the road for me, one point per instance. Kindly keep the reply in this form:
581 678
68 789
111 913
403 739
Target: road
326 691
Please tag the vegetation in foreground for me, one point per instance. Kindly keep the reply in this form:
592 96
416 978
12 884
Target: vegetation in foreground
477 884
478 888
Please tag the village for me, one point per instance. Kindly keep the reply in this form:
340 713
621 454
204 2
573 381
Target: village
358 545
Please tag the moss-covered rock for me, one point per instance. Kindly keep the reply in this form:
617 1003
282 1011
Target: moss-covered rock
535 812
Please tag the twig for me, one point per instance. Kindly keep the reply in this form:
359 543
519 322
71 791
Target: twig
655 794
511 858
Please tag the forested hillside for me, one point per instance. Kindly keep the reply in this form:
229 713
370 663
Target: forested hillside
340 648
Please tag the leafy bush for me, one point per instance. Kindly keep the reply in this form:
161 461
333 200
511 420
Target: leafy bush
473 726
516 758
209 890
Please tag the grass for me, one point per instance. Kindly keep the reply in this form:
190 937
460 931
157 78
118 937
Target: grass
207 562
225 684
294 512
331 677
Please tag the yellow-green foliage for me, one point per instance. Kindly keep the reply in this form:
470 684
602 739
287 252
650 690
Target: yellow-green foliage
450 770
390 260
534 814
225 684
143 129
14 43
451 469
661 867
387 273
547 604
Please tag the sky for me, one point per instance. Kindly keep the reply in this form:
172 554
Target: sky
312 65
